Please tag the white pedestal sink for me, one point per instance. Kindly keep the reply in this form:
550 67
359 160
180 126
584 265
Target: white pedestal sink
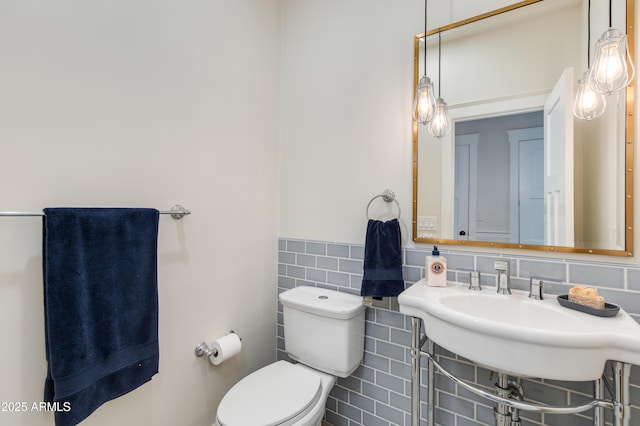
520 336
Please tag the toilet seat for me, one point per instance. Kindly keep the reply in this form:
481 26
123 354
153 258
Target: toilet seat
278 394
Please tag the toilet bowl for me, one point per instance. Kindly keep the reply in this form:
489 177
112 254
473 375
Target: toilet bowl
324 336
280 394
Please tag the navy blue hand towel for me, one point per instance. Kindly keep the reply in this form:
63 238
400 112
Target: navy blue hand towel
382 260
101 306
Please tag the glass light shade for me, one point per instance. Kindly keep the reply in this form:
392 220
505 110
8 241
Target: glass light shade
612 67
441 123
424 103
588 104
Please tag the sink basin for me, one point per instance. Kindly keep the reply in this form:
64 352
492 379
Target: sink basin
519 336
524 313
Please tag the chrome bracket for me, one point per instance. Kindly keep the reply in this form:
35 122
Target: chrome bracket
178 212
388 195
204 350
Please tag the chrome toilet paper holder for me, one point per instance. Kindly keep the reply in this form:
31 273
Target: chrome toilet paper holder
204 350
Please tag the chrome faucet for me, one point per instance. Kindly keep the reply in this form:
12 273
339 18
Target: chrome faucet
474 281
504 282
536 286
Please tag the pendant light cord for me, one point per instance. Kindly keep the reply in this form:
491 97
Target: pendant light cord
589 34
425 37
439 62
610 7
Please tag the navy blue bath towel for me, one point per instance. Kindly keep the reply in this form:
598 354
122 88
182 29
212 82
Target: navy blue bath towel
382 260
101 306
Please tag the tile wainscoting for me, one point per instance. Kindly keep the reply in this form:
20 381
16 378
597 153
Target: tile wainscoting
379 392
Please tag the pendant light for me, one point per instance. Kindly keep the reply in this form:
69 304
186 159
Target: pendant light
612 66
440 125
424 103
589 104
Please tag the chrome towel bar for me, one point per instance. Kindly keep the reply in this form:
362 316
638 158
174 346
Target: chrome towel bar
177 212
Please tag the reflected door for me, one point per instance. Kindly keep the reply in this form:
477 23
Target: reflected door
527 185
466 187
558 163
461 194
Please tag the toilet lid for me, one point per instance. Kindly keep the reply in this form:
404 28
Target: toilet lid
277 394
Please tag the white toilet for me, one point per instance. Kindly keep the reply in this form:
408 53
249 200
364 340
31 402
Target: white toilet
324 334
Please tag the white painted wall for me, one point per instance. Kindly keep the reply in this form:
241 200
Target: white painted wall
139 103
347 83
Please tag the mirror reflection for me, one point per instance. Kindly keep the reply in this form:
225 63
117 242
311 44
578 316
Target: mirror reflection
518 170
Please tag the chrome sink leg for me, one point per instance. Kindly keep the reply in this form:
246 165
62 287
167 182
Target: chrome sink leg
622 404
517 394
431 395
417 341
501 411
508 389
416 324
598 393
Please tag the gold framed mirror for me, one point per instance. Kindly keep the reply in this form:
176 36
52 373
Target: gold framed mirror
497 71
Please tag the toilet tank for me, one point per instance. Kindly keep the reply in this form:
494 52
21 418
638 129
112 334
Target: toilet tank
324 329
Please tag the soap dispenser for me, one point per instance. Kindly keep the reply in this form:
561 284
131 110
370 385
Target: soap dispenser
436 267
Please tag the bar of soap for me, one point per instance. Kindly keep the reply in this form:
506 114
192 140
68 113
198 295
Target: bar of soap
586 296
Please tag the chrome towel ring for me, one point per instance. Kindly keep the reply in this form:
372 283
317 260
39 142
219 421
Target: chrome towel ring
388 196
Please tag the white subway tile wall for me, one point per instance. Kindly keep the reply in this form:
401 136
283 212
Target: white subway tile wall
379 392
